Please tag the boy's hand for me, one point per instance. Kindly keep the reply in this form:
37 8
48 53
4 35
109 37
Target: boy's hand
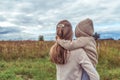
57 38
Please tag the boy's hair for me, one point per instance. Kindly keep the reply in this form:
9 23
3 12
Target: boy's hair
63 31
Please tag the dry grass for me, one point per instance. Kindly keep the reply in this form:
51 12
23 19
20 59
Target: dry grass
24 49
28 51
109 57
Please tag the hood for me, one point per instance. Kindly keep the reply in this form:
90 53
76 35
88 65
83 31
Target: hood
84 28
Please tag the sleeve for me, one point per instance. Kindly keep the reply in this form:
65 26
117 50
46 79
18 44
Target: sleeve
89 68
91 71
75 44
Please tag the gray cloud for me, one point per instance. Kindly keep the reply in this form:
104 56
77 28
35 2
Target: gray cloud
24 20
2 18
7 30
34 17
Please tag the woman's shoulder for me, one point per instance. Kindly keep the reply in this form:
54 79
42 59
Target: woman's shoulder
77 52
78 55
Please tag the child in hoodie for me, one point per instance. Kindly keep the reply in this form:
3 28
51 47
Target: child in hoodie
83 32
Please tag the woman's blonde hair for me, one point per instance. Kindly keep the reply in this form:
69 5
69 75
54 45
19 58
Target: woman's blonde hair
58 54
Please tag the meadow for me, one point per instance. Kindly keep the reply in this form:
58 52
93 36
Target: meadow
29 60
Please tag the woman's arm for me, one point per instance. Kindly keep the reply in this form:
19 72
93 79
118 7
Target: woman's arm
91 71
88 67
74 44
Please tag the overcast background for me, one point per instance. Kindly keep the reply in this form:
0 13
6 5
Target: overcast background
27 19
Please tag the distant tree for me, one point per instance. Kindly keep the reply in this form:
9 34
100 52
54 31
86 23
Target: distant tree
41 38
96 36
110 38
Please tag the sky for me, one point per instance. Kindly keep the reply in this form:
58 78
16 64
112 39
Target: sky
27 19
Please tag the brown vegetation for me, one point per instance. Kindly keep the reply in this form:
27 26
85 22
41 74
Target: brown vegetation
24 49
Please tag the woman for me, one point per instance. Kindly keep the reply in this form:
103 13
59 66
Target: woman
83 32
69 64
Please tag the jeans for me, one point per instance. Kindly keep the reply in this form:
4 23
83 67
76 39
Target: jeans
85 75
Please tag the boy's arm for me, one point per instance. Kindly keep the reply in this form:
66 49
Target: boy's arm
74 44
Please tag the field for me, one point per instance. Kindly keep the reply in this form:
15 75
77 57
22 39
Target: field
29 60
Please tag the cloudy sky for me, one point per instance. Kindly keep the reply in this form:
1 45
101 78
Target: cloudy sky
27 19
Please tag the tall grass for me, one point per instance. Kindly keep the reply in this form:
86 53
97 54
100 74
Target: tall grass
109 57
29 60
10 50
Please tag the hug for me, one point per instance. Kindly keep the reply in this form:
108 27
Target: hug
75 59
